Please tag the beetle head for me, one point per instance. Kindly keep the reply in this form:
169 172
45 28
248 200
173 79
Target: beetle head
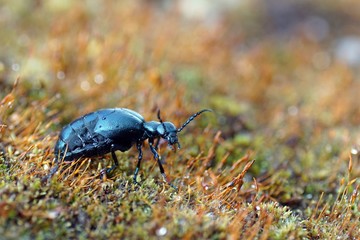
168 131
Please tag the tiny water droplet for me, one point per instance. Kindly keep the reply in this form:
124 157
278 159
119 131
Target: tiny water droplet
161 231
85 85
293 110
354 151
99 78
60 75
15 67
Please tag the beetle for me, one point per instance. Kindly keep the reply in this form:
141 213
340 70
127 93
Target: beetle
108 130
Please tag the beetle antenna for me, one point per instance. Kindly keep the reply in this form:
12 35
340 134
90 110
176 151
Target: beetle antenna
192 118
161 121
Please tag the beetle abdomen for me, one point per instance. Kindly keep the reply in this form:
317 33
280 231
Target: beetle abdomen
79 139
94 133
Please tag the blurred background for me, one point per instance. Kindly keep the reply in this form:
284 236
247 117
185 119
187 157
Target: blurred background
281 76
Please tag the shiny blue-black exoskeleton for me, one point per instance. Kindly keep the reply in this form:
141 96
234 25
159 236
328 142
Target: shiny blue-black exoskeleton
108 130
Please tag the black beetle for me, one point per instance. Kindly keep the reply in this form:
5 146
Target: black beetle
108 130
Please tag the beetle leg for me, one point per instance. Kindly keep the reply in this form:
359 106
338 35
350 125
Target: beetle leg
52 172
157 143
156 155
138 146
116 162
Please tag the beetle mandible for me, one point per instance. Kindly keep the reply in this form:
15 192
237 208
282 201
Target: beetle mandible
108 130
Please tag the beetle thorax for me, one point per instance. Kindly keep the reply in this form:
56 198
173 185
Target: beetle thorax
156 129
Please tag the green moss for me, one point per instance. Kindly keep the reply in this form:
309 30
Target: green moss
273 101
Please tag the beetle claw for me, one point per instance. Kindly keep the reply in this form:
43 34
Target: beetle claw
105 172
137 183
173 186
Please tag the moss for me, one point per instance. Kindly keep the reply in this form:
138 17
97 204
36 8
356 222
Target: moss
276 159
